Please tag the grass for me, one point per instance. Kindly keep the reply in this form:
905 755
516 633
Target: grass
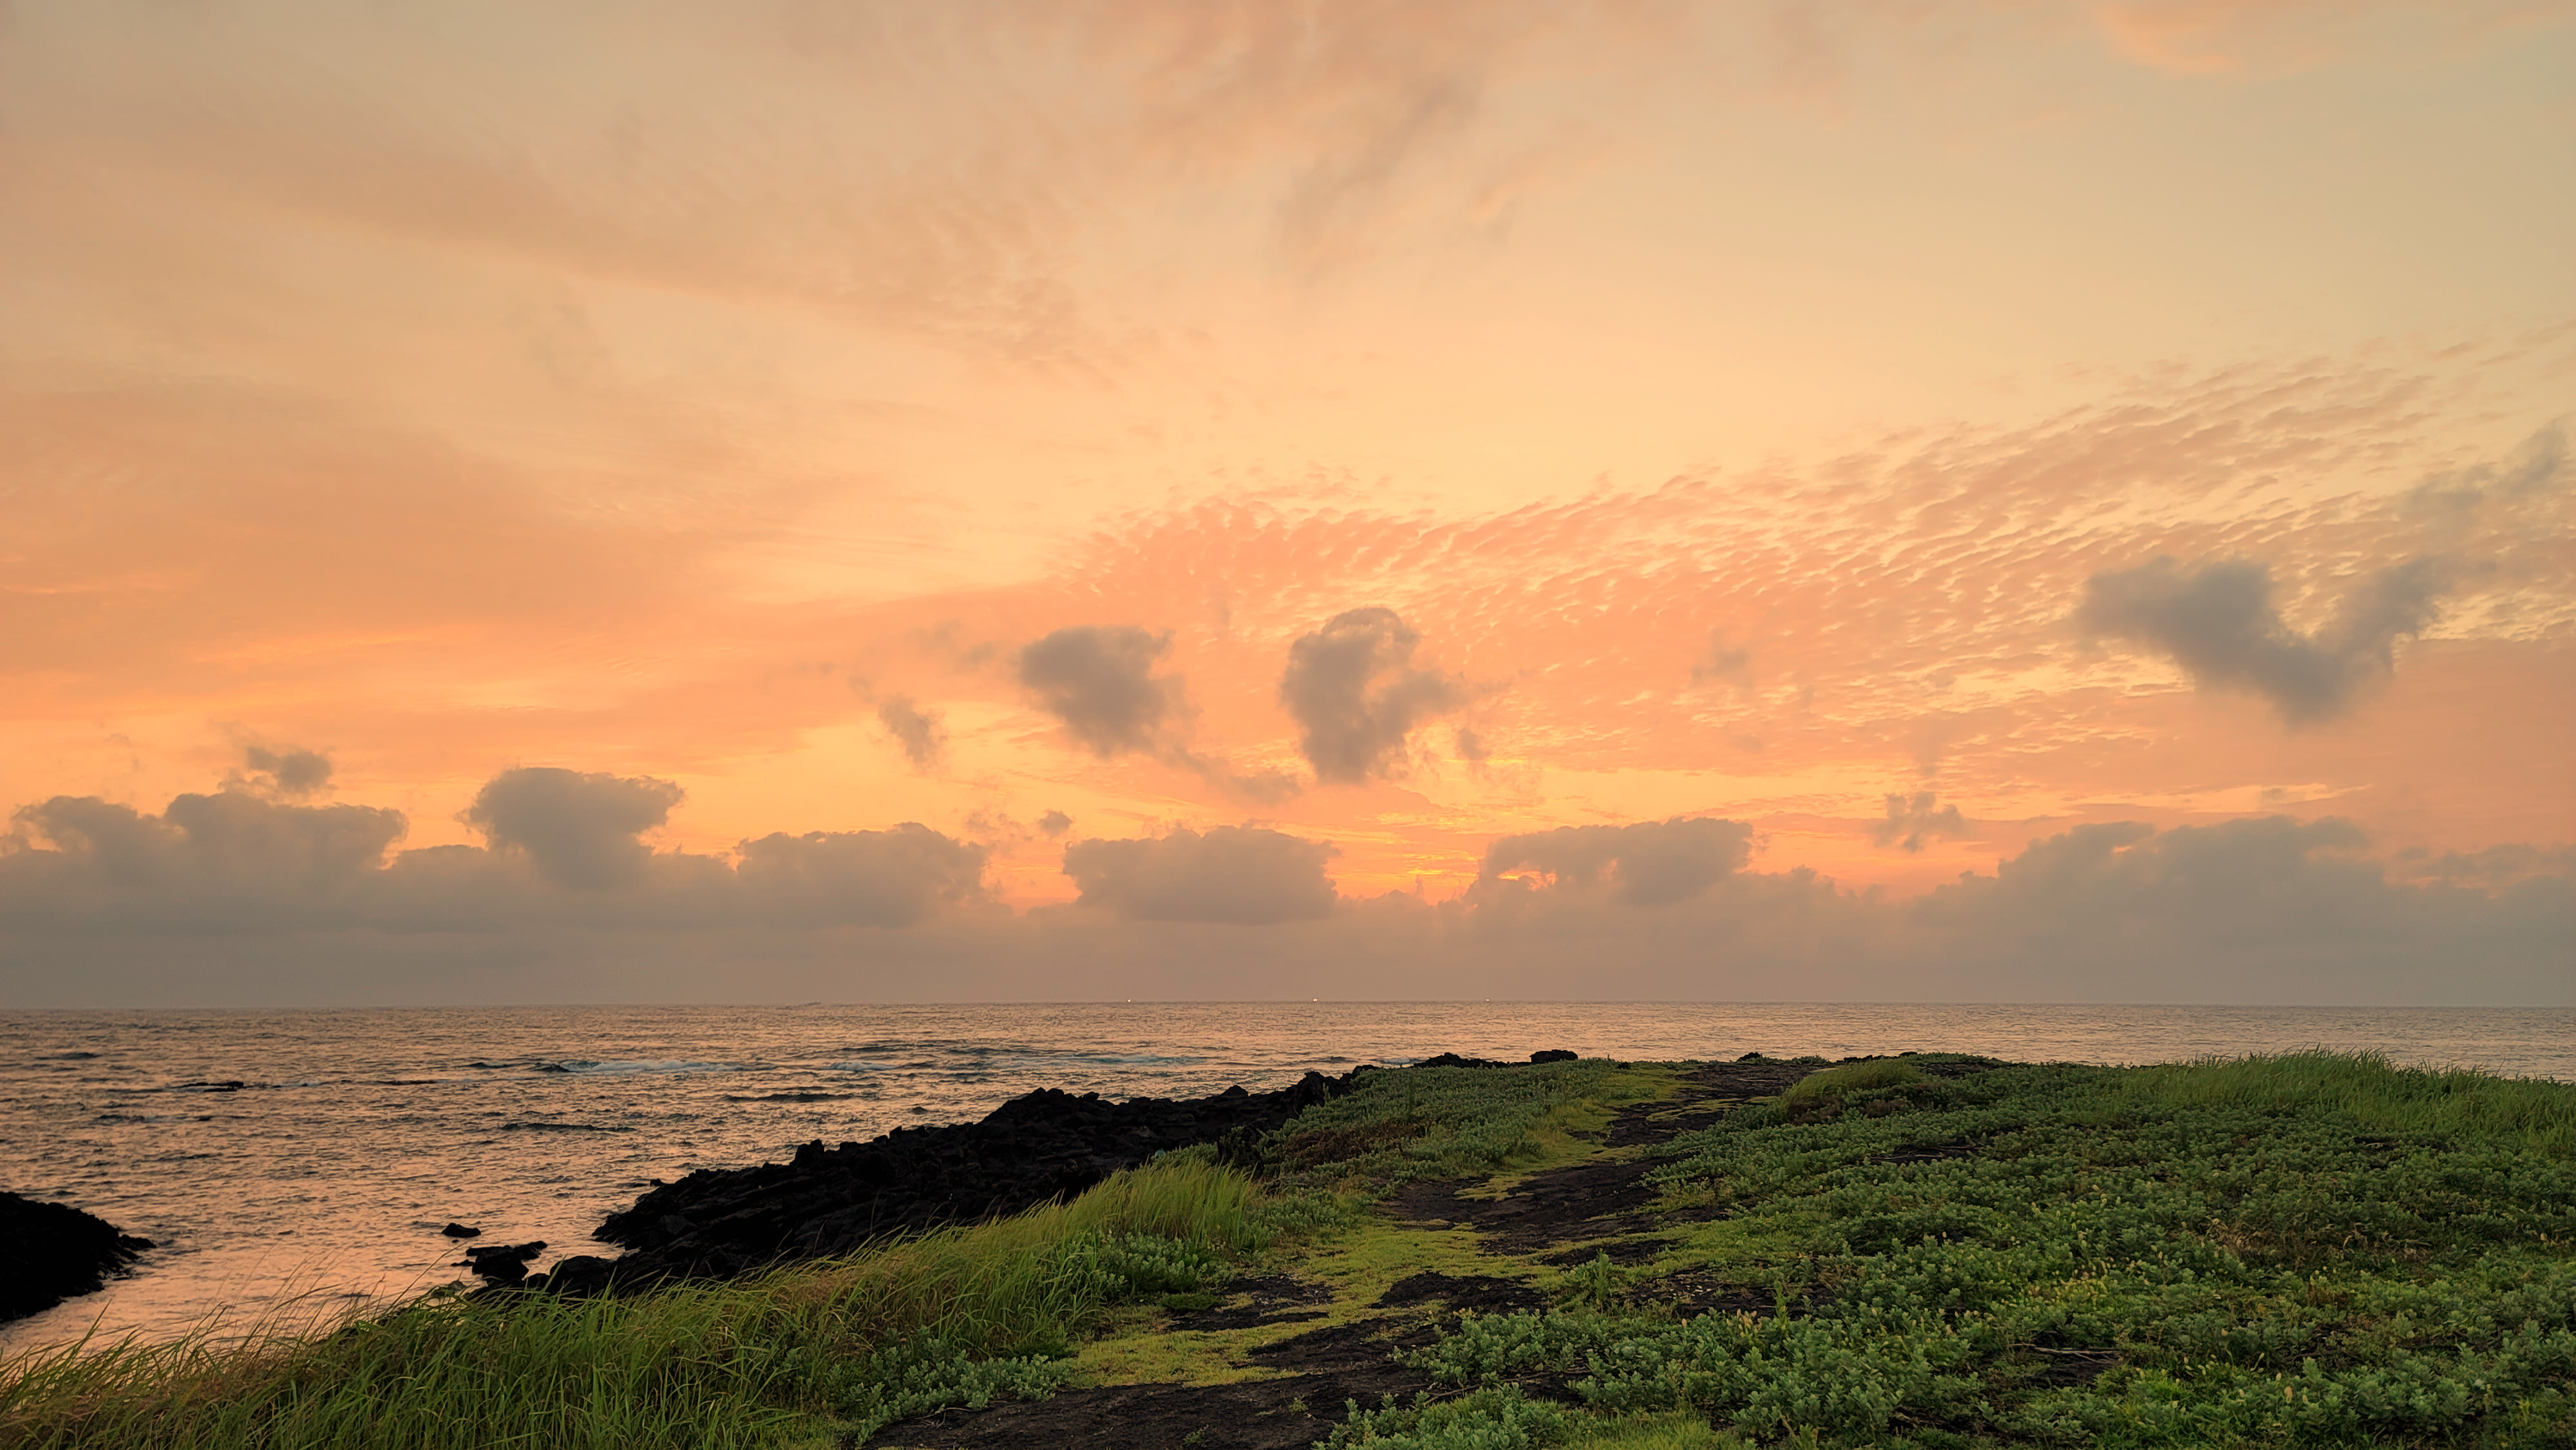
2365 1087
2304 1250
818 1353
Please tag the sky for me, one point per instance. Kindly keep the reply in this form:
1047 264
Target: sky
1914 500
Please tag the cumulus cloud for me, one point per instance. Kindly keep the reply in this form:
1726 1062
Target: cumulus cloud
579 829
1914 819
231 897
564 855
922 735
289 774
1472 748
2265 882
213 862
1054 824
1651 863
2218 622
1099 680
1244 875
865 878
1356 694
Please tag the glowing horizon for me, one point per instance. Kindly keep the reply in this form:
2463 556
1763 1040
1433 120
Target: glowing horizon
1213 469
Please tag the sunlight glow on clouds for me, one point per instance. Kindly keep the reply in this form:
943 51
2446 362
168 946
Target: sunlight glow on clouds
1759 500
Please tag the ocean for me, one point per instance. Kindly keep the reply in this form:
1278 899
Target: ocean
294 1165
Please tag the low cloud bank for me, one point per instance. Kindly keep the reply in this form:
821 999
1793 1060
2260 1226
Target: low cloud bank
237 896
565 851
1246 875
1652 863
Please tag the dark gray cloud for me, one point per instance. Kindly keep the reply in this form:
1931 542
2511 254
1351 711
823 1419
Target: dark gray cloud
289 774
1721 660
579 829
890 878
1244 875
1472 748
232 898
2218 622
1054 824
217 862
1099 680
224 841
237 862
1651 863
1356 694
2123 890
1915 819
922 734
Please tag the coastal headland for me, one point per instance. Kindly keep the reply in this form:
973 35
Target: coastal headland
1930 1250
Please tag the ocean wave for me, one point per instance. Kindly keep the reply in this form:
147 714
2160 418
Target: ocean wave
792 1097
564 1128
646 1066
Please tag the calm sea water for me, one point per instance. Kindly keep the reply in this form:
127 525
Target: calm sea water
301 1163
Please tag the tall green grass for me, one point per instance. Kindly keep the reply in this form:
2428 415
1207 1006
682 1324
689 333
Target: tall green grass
816 1353
1855 1077
2389 1099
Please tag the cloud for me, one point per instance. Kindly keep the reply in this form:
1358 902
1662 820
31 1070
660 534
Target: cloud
1651 863
1054 824
2537 465
1099 680
235 862
274 901
893 878
1911 821
2123 894
217 862
1356 694
1721 660
1472 748
1243 875
289 774
2211 37
580 830
921 734
2218 622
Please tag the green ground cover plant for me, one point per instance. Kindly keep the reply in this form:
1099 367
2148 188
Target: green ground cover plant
2304 1250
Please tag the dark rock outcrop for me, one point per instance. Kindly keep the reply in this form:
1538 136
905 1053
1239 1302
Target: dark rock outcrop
1045 1145
460 1231
50 1252
502 1263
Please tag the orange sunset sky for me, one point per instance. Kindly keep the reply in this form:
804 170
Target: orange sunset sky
1958 499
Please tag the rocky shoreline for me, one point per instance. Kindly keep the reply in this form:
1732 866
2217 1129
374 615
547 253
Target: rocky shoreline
1041 1146
1046 1145
50 1252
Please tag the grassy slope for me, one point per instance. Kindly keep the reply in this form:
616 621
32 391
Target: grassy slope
2302 1250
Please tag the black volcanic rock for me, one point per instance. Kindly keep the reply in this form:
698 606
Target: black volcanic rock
502 1263
50 1252
1045 1145
460 1231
